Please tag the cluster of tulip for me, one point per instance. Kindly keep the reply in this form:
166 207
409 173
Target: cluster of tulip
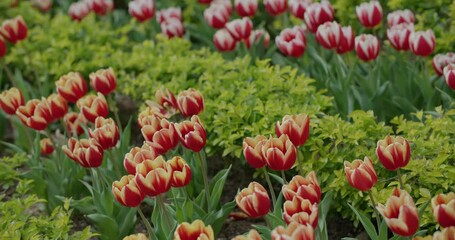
13 30
400 212
79 10
444 64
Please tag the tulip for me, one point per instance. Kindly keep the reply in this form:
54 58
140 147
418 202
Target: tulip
293 231
275 7
347 40
252 150
369 14
181 175
78 10
393 152
240 28
59 106
46 147
169 13
14 30
190 102
439 62
246 8
93 106
172 27
103 81
400 213
166 98
163 140
446 234
153 125
307 188
192 134
398 35
279 153
148 115
74 123
142 10
291 42
101 7
87 152
226 3
252 235
205 1
138 155
298 7
11 100
36 114
2 47
105 133
139 236
42 5
422 43
443 208
216 16
317 14
196 230
367 47
253 200
300 210
154 176
297 127
400 16
449 75
361 174
71 86
127 192
223 41
256 37
329 34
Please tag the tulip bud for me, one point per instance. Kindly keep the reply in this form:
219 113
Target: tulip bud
294 231
252 235
329 34
400 213
369 14
367 47
393 152
223 41
172 27
195 230
181 175
169 13
142 10
279 153
59 106
226 3
105 133
148 115
78 10
439 62
139 236
87 152
162 140
422 43
240 28
153 125
246 8
42 5
275 7
297 127
2 47
103 81
154 176
127 192
291 42
256 37
138 155
14 30
317 14
449 75
74 123
446 234
191 134
300 210
400 16
11 100
36 114
298 7
307 188
398 35
71 86
254 200
361 174
166 98
46 147
252 150
101 7
216 16
443 208
93 106
190 102
346 40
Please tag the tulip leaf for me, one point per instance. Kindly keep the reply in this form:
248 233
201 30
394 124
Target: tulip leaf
423 207
265 231
276 177
126 219
367 224
218 187
279 205
106 226
324 208
217 218
275 220
383 231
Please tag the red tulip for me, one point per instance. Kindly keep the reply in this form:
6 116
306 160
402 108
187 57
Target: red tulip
291 42
393 152
93 106
190 102
166 98
307 188
2 47
443 208
329 34
105 133
400 213
153 125
422 43
398 35
254 200
71 86
204 1
172 27
300 210
251 235
361 174
59 106
42 5
46 147
103 81
369 14
256 37
138 155
439 62
367 47
169 13
275 7
78 10
226 3
216 16
74 123
445 234
86 152
101 7
14 30
142 10
191 134
294 231
279 153
252 150
36 114
449 75
298 7
317 14
154 176
148 115
246 8
181 172
11 100
163 139
194 231
240 28
347 40
297 127
223 41
400 16
127 192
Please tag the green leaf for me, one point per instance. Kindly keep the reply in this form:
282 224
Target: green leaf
126 220
106 226
383 231
422 208
217 218
369 227
265 231
218 187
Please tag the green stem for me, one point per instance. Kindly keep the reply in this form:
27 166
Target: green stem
114 162
319 231
400 179
9 74
163 210
267 222
94 181
206 180
300 162
56 148
375 210
115 110
147 224
283 176
272 192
